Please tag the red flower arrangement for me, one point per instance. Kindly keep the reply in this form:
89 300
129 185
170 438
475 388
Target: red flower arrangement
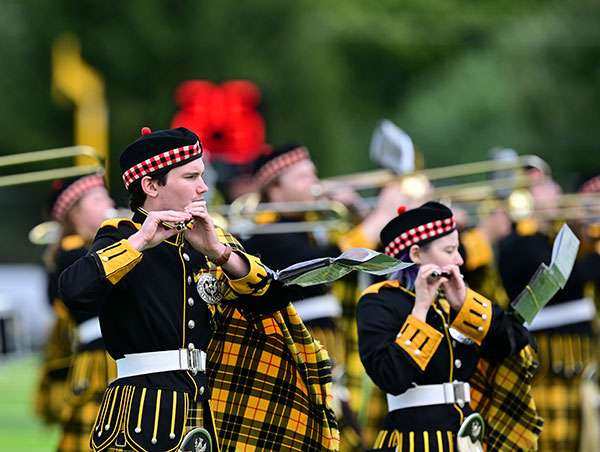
225 117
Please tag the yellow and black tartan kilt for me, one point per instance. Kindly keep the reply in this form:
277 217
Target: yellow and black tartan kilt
88 378
432 441
198 416
558 401
270 384
49 399
557 387
501 393
350 432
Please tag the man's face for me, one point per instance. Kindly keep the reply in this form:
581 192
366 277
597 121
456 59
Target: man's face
184 184
295 183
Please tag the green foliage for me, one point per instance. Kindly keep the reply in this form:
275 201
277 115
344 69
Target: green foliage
459 76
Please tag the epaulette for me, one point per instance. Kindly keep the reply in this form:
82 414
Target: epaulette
116 222
478 249
375 288
355 238
72 242
594 231
527 227
266 217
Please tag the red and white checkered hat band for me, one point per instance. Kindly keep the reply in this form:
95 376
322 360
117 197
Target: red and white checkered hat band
591 186
160 161
73 193
274 167
418 234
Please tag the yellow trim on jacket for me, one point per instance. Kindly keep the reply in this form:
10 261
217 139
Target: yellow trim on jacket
475 317
419 340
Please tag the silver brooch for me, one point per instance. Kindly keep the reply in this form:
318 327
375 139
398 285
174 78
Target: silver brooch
457 335
209 288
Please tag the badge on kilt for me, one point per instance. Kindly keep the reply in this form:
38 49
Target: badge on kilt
209 288
197 440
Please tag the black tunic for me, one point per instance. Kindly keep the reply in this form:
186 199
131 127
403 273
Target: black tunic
425 353
152 303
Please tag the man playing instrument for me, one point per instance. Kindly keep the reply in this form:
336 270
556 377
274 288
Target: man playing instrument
169 280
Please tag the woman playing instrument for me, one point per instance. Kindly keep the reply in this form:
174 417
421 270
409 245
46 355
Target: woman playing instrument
422 333
79 205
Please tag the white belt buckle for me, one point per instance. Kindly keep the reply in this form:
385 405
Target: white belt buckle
455 393
190 359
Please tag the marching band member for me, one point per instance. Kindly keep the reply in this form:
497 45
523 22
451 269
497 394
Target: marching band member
564 329
421 337
478 248
79 205
168 281
288 174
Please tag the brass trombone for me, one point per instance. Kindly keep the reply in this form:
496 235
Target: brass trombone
521 204
248 216
510 171
96 165
242 214
49 231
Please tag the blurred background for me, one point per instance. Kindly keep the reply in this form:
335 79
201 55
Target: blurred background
459 77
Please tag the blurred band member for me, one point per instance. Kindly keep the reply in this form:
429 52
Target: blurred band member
479 251
80 205
564 329
288 175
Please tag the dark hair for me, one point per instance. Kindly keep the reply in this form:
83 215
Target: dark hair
264 191
137 196
408 275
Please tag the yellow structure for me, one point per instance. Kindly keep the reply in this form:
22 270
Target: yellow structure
76 81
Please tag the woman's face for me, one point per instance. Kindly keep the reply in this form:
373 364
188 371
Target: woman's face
442 251
90 211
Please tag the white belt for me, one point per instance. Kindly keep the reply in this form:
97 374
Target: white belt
582 310
165 361
89 330
318 307
442 394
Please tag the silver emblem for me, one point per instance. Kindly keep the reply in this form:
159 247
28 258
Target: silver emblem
457 335
200 445
209 288
197 440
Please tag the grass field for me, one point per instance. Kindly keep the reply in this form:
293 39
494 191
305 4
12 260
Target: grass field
20 430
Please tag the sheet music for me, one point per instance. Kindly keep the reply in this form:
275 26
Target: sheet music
328 269
548 279
564 253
